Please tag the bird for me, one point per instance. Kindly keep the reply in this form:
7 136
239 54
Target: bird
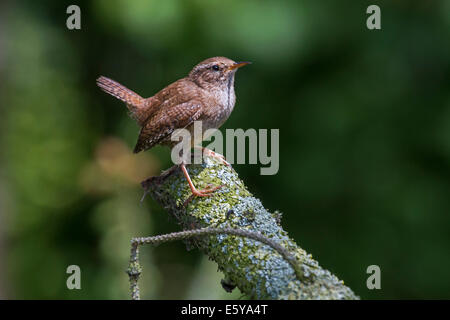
206 94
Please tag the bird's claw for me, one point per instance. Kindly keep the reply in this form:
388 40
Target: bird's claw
209 153
207 192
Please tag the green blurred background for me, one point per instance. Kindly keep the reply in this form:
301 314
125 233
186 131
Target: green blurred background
364 119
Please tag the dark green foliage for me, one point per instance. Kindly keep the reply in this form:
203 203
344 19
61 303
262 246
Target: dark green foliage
364 119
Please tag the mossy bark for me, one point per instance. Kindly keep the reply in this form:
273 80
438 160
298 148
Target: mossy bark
255 268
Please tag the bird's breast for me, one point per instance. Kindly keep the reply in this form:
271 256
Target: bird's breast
219 109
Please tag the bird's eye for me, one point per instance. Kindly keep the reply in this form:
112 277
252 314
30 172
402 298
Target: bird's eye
215 67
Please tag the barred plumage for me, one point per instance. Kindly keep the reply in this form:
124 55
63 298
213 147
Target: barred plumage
135 103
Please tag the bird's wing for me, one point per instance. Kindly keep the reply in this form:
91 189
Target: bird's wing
164 99
165 122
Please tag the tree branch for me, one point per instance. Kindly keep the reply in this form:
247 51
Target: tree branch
240 235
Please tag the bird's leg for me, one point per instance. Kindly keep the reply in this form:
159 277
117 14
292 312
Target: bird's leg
209 153
197 193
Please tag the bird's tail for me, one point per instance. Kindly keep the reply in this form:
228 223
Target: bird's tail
135 103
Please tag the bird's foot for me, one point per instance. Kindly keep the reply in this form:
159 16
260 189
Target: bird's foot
195 192
209 153
207 192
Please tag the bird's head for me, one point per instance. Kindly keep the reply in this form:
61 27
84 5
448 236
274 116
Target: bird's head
217 71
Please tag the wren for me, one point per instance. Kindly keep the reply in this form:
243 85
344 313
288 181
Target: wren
206 95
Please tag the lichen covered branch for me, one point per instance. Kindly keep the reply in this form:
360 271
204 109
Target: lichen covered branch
251 263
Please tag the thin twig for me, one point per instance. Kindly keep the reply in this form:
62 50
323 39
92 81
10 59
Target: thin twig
134 269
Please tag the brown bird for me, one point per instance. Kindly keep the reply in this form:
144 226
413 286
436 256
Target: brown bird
206 95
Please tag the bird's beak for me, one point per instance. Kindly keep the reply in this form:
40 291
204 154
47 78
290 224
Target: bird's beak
238 65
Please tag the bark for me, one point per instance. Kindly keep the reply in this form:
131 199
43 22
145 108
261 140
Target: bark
258 268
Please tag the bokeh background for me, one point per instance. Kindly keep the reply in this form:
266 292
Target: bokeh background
364 119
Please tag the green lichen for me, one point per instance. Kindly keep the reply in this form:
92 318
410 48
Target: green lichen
255 268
